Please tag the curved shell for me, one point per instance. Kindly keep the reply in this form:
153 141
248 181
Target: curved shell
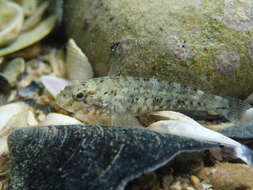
30 37
11 21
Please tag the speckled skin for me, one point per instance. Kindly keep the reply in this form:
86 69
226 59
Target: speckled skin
206 44
82 157
137 96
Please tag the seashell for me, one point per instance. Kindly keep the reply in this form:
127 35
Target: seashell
35 18
56 60
172 115
13 116
59 119
30 37
29 52
11 20
78 66
31 91
187 127
90 157
35 68
53 84
13 69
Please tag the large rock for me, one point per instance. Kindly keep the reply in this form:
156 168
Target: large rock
207 44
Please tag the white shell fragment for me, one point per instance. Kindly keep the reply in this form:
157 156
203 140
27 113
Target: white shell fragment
59 119
11 21
185 126
13 116
53 84
78 66
172 115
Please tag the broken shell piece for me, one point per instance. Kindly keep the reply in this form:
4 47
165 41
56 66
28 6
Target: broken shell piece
196 131
13 116
30 37
53 84
56 60
11 21
59 119
34 19
35 68
78 66
192 131
172 115
13 69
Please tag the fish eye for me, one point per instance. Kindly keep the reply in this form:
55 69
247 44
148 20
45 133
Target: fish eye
80 96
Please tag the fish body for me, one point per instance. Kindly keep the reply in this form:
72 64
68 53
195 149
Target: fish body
137 96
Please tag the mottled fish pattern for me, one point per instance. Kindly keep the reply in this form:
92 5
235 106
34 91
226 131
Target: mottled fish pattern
137 96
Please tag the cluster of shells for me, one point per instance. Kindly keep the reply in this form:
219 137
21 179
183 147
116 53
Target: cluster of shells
32 73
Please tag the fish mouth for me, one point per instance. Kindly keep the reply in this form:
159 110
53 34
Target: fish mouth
84 108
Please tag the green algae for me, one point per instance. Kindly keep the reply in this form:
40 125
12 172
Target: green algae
182 41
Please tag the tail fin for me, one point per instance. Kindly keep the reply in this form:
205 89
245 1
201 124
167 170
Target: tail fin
237 113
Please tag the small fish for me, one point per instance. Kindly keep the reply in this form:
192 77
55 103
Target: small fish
105 96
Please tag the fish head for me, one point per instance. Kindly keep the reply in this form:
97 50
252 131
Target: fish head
73 98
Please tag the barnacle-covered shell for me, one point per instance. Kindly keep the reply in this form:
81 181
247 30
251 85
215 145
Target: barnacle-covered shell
11 20
30 37
89 157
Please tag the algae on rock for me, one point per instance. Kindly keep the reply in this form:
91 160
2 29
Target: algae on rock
206 44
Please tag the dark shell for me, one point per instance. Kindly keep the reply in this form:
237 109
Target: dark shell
33 90
79 157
